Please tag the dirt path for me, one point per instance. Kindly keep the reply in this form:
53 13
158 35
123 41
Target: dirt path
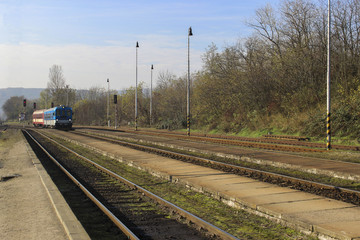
25 209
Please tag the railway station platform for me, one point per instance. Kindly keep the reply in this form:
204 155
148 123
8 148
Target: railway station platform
31 207
324 217
344 170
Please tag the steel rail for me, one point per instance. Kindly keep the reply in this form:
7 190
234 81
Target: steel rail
113 218
191 217
129 139
287 140
229 167
277 139
243 143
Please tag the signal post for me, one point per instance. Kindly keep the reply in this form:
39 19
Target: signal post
115 103
23 118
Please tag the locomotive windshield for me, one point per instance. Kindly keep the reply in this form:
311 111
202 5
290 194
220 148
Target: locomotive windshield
63 112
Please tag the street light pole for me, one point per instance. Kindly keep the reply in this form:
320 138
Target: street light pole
108 103
152 68
136 100
188 86
328 132
67 95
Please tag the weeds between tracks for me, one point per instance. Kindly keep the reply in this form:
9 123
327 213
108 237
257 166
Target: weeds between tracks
237 222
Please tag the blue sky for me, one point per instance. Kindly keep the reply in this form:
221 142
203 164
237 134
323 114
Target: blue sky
95 40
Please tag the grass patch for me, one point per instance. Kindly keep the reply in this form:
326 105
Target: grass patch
237 222
9 137
332 155
336 155
247 132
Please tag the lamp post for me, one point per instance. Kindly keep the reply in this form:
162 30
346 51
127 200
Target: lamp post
108 103
328 132
152 68
188 86
67 95
136 100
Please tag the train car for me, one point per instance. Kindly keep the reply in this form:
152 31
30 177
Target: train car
38 118
58 117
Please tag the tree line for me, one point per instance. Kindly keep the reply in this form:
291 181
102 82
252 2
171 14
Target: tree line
276 78
273 79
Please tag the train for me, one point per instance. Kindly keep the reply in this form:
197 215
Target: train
56 117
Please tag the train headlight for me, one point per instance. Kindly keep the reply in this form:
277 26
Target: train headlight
69 119
57 120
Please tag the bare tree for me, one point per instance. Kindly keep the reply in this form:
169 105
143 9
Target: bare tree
267 27
45 98
56 85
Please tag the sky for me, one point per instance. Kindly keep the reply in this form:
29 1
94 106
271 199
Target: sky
95 40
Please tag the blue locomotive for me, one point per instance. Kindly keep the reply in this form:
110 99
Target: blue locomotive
58 117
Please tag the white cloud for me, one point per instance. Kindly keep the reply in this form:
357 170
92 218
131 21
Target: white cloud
84 66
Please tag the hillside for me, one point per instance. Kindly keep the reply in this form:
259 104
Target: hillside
28 93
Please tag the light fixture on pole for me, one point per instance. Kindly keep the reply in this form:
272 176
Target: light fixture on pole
108 103
152 68
328 132
136 100
188 86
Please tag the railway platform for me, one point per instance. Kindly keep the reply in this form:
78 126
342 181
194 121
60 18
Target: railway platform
344 170
31 207
323 217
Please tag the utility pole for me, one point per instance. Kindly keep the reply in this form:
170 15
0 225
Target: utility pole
108 103
67 95
188 87
328 132
152 68
136 100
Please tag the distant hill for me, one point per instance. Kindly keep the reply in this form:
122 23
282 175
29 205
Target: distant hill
28 93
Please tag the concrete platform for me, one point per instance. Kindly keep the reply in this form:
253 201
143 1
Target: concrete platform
345 170
71 224
33 206
311 213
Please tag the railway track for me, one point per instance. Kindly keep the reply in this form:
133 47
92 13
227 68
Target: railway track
334 192
269 142
122 199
